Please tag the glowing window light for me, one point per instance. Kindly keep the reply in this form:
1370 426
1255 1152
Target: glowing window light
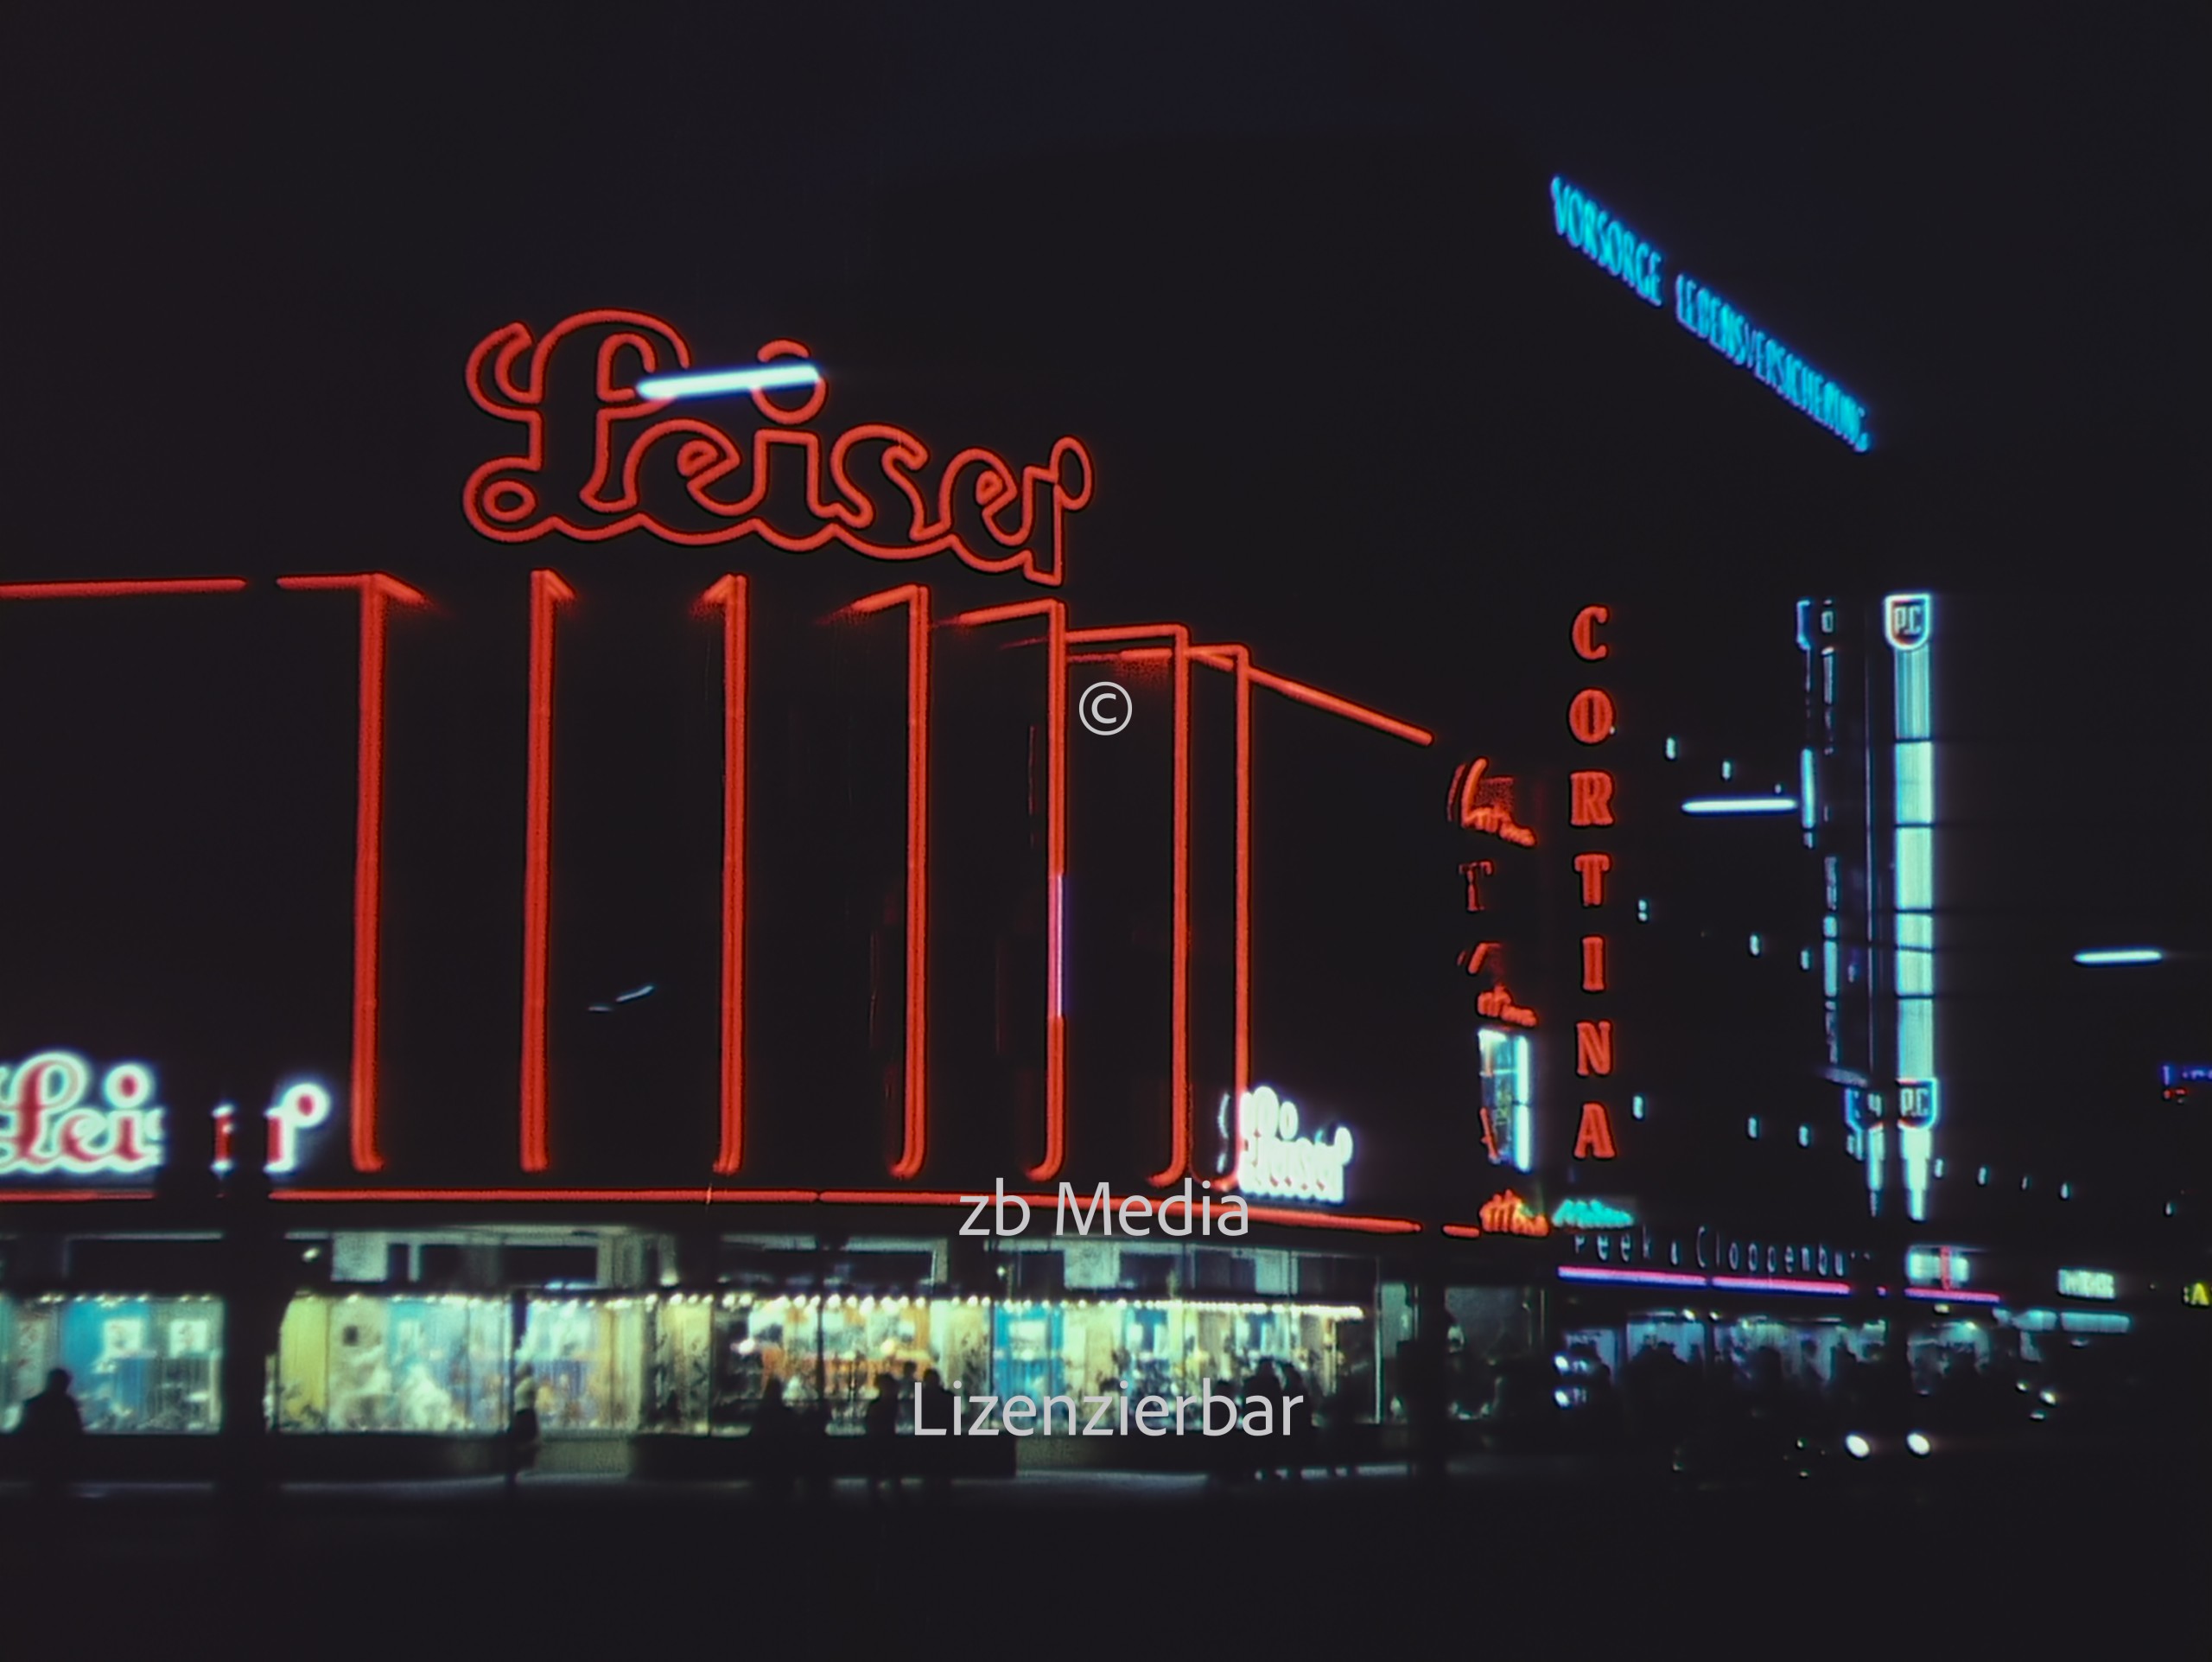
1916 865
1916 783
1755 945
1727 770
2120 955
1672 750
1636 1108
1804 958
1981 1177
2094 1321
1751 1126
1804 1137
1711 805
721 383
1643 911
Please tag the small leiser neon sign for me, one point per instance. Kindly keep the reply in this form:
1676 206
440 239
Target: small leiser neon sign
52 1123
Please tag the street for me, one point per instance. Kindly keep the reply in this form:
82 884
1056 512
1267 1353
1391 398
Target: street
2041 1552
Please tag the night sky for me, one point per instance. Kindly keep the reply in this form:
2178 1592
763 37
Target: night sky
1289 272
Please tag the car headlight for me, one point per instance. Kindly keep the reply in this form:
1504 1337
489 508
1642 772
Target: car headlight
1919 1444
2050 1397
1559 1397
1859 1446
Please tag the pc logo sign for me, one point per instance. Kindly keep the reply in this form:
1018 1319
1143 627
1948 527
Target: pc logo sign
1906 621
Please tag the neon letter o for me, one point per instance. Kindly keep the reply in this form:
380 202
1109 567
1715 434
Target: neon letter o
1590 718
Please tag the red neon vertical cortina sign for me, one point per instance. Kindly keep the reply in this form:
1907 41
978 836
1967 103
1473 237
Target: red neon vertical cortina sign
376 591
915 599
1055 614
1589 717
546 591
728 597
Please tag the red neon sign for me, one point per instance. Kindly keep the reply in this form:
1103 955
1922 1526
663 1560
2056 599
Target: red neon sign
876 499
1593 1140
1507 1214
1486 804
546 591
1178 1160
728 597
915 599
1055 614
378 592
1591 717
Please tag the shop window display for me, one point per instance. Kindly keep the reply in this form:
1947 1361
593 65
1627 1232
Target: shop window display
581 1361
370 1363
679 1395
1171 1347
828 1350
136 1364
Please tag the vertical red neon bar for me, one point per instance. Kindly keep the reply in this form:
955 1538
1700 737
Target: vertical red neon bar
546 591
377 592
1243 1079
915 599
730 595
1056 864
1179 997
1239 659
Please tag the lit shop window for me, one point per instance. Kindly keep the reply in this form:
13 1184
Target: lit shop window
370 1363
1173 1347
580 1363
149 1365
829 1351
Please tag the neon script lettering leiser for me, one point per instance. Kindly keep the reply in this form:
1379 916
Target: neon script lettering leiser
49 1127
598 459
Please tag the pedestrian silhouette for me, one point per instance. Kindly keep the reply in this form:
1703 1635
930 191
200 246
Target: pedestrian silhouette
933 1406
880 1426
522 1438
52 1429
774 1445
1297 1413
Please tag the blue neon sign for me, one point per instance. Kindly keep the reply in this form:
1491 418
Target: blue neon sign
1736 338
1606 241
1610 245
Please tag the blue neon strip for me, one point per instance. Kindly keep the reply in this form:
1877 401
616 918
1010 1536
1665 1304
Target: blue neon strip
2120 955
1734 336
719 383
1724 1284
1648 1277
1805 793
1740 804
